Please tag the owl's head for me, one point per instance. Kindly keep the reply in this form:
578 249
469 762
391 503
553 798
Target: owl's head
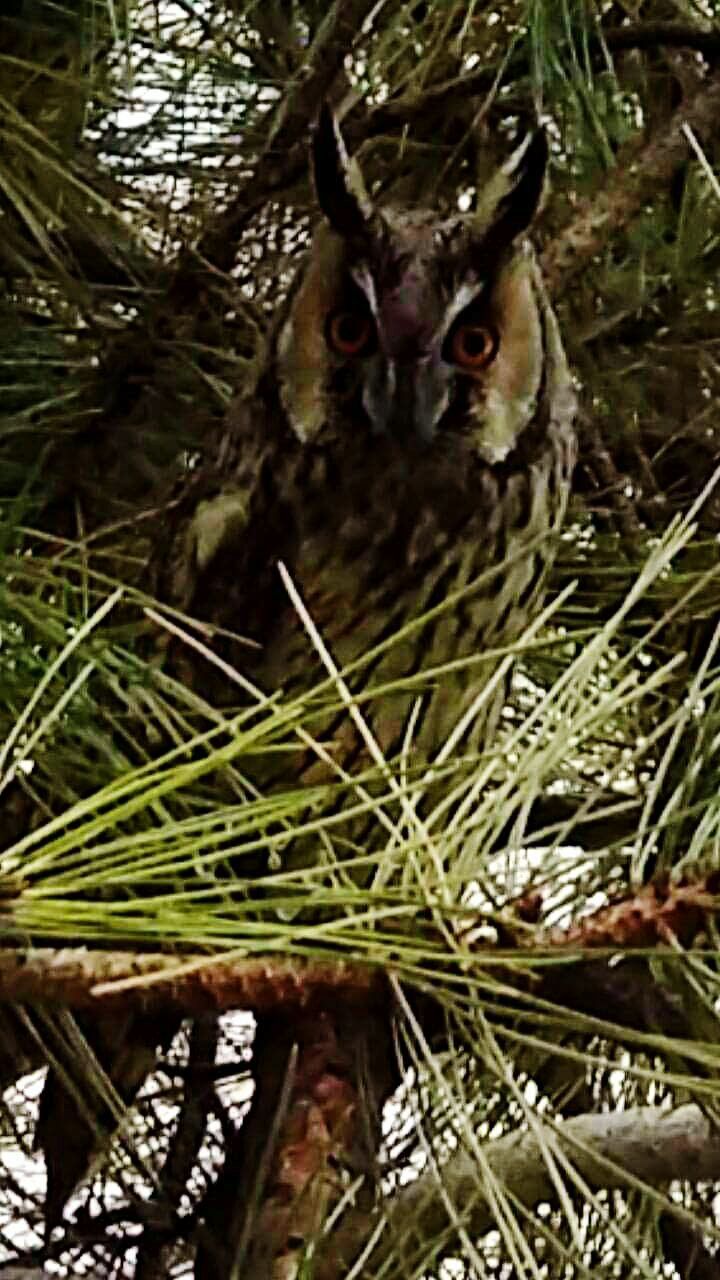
407 325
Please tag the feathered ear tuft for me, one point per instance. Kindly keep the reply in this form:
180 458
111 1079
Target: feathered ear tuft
340 189
512 198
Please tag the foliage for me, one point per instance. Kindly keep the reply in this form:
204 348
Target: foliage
154 199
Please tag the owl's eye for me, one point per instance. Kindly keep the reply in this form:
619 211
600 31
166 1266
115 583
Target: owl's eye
472 346
350 333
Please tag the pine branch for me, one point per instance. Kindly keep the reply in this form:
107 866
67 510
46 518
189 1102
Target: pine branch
402 111
284 156
103 980
637 177
609 1151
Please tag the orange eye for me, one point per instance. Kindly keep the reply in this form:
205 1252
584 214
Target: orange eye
473 346
350 333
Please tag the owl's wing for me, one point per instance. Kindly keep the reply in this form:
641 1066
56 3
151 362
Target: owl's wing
207 512
214 524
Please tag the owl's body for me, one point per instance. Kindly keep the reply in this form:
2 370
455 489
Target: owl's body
411 433
407 448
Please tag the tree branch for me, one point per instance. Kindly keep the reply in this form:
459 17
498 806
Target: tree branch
636 178
284 156
313 1126
608 1150
683 1246
403 110
183 1151
104 980
191 984
653 35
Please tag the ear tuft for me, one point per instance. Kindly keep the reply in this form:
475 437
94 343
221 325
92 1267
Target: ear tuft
339 186
515 194
526 169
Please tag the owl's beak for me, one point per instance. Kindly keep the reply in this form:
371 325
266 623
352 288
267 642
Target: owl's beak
407 399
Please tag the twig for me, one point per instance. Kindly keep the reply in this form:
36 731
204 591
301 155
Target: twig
183 1151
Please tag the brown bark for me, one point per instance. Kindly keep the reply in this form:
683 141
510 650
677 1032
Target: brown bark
639 174
312 1131
85 979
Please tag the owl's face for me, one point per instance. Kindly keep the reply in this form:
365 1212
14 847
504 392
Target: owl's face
410 327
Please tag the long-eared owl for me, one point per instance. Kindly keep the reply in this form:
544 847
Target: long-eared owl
409 435
405 451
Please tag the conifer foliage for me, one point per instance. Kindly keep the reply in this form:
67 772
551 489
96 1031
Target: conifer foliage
495 1052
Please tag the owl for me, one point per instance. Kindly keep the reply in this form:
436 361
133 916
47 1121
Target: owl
405 453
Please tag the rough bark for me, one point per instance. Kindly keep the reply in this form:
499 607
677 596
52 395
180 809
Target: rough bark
312 1131
111 980
608 1150
83 979
640 172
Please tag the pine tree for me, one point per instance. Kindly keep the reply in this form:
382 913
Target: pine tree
502 1067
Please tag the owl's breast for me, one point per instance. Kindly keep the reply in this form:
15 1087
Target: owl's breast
399 560
374 529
